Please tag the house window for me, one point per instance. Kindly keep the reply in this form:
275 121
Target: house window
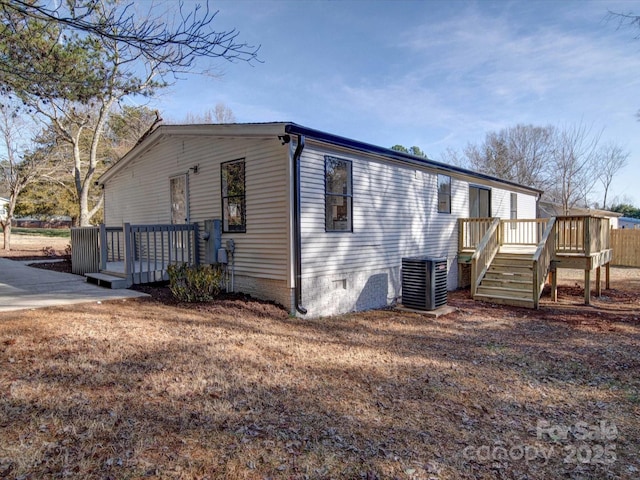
444 194
513 212
514 207
233 196
338 195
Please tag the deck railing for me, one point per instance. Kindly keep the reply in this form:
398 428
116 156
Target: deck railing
151 248
111 245
523 232
582 235
143 251
471 231
542 260
599 234
485 252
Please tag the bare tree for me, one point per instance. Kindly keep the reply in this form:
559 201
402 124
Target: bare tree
220 114
573 163
20 163
520 154
530 149
453 157
490 157
610 160
223 114
565 163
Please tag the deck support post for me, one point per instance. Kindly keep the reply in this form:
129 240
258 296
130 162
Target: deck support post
598 282
587 287
607 276
129 250
104 248
554 284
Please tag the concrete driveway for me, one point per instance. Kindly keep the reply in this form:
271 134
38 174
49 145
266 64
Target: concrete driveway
23 287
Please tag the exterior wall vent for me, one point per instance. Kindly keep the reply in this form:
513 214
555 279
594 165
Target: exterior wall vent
424 282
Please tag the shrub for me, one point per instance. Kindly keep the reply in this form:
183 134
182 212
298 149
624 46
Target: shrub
197 283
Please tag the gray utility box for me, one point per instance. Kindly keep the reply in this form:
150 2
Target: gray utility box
424 282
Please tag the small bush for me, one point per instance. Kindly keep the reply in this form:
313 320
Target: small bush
197 283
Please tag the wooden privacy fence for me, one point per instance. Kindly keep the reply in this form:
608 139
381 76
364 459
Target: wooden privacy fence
626 247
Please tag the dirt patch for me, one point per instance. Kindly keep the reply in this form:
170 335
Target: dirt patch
33 246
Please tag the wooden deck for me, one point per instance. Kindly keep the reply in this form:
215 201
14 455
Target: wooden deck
511 259
137 253
141 271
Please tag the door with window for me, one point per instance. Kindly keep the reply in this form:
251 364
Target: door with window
179 200
479 202
479 207
179 191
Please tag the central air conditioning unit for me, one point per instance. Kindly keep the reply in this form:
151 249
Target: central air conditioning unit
424 282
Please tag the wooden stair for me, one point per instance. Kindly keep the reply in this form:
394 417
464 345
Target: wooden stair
508 281
107 280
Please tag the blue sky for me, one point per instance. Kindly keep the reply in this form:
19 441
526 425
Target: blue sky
436 74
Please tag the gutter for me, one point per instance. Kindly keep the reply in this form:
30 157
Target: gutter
338 141
297 234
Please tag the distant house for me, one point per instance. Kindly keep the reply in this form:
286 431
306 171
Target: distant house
548 209
628 222
320 223
52 221
3 208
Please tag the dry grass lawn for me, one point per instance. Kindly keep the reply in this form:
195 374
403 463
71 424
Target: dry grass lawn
235 389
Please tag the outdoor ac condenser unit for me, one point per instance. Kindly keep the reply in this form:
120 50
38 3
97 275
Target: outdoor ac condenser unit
424 282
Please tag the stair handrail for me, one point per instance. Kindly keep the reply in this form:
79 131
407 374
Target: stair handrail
484 254
542 260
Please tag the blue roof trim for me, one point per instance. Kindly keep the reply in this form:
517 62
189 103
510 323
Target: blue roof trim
295 129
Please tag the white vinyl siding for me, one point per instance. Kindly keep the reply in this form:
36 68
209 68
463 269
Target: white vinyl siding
139 194
395 215
501 204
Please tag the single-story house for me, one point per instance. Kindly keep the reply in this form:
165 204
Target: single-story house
628 222
320 222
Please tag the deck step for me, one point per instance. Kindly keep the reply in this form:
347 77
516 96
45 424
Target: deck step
106 280
505 300
512 261
505 291
509 275
508 283
510 269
